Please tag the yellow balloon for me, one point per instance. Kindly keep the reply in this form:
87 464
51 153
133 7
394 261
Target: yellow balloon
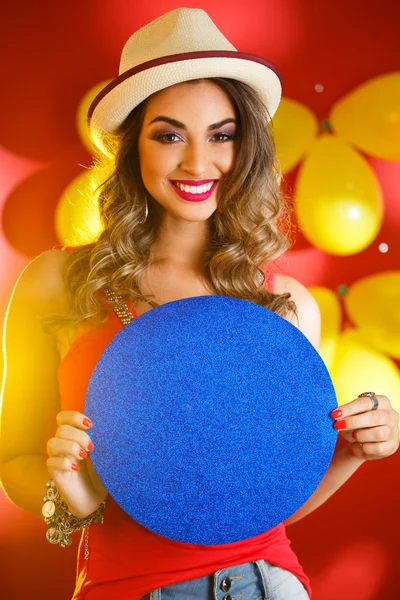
81 115
295 128
373 305
337 198
369 117
358 368
77 218
331 316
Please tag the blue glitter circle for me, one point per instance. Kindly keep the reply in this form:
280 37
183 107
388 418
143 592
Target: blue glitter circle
211 419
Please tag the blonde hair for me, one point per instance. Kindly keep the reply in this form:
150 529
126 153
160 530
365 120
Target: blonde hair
244 234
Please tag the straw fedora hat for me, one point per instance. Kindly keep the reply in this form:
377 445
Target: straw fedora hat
181 45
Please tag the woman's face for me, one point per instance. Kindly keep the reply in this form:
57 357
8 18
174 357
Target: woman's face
186 146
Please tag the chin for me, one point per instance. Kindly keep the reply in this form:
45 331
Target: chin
191 214
194 218
200 214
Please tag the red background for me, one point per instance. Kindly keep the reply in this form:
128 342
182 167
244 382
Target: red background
53 53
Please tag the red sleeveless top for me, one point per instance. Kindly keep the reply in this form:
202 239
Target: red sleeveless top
126 560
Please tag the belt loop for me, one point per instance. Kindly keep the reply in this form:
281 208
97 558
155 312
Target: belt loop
156 595
263 568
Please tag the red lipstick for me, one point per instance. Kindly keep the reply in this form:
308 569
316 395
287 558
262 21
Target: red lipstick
194 197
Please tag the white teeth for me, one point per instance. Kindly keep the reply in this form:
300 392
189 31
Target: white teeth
194 189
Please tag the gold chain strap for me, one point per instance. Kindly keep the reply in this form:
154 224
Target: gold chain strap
121 310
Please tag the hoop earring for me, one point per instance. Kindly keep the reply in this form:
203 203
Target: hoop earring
146 211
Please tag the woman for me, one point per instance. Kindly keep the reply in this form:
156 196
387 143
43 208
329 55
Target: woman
190 201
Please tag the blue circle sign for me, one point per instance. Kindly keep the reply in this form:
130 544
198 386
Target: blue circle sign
211 419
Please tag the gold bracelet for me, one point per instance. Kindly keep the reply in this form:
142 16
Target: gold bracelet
61 522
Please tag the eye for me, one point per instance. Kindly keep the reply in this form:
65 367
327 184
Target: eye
168 138
222 137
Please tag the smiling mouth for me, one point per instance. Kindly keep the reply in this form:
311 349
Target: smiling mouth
194 193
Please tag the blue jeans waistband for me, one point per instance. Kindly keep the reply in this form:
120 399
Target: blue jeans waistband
257 580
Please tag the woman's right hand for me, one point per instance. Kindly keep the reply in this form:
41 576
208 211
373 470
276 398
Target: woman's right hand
70 467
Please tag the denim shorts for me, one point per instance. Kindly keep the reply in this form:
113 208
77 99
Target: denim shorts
257 580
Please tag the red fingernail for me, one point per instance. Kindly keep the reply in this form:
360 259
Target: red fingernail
87 422
336 414
75 467
82 453
353 434
90 447
340 425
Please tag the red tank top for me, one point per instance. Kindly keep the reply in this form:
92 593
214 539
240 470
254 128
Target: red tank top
126 560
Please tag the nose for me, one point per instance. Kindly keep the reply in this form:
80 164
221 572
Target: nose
196 159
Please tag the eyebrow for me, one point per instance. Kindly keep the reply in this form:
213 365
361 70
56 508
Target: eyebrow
180 125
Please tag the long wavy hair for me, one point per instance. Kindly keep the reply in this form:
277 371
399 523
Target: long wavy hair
245 230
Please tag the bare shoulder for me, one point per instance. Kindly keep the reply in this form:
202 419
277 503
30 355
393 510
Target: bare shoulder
300 294
308 314
41 284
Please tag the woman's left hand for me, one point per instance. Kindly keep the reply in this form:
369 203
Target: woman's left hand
372 433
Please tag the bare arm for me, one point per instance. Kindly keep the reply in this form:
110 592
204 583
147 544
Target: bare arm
30 394
38 441
348 455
